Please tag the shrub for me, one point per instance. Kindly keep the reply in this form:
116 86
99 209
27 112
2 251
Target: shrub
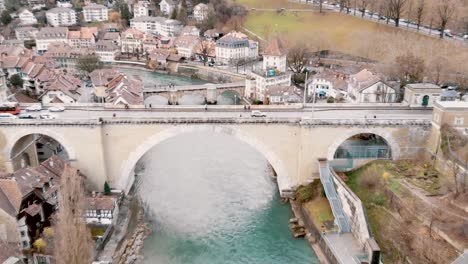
330 100
308 192
379 199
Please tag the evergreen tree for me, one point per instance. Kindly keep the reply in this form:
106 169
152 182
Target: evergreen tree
107 189
5 18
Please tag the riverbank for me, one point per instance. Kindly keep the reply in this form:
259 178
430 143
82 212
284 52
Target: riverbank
130 251
192 71
406 213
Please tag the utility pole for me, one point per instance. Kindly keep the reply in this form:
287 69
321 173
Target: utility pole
305 89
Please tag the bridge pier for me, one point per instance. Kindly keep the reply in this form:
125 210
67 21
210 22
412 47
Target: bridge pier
211 94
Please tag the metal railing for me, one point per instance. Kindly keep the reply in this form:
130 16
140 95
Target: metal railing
332 197
363 152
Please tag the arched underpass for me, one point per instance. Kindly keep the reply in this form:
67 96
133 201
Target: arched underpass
31 150
360 148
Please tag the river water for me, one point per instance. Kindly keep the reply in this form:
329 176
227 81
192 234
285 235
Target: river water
213 200
152 78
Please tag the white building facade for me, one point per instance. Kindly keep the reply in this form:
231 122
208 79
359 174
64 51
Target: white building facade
201 12
235 47
61 17
366 87
26 17
50 35
141 8
95 12
157 25
167 7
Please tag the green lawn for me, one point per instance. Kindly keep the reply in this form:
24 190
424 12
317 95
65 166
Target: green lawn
348 34
320 210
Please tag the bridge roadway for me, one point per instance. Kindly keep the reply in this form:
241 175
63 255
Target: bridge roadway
339 114
290 139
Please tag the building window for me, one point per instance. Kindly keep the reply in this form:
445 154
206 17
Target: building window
22 233
458 121
25 244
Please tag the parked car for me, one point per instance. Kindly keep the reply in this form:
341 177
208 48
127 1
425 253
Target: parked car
256 113
56 109
35 107
7 116
46 116
26 116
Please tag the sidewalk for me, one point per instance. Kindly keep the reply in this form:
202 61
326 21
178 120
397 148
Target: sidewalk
344 247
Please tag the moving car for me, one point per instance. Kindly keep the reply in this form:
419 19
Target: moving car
35 107
7 116
26 116
57 109
256 113
46 116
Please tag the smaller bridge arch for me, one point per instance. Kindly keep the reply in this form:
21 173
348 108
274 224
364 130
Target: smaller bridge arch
41 131
391 142
126 178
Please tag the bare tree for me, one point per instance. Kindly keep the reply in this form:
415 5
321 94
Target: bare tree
420 8
462 88
411 67
344 4
204 51
455 170
437 68
363 5
320 5
73 243
445 11
396 8
297 58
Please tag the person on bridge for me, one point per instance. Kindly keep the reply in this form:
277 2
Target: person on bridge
206 107
126 106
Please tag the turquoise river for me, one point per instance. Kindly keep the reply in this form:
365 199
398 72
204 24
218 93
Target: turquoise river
214 200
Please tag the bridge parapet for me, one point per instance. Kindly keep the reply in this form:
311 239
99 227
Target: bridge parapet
218 120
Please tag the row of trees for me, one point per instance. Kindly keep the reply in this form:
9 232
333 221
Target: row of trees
437 13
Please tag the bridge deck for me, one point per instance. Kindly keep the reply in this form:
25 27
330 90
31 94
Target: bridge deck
166 88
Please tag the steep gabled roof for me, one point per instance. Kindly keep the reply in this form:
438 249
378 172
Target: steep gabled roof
276 47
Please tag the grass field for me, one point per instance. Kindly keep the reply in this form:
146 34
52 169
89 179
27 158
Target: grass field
330 30
348 34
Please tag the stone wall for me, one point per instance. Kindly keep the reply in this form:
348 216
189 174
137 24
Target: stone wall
208 73
355 212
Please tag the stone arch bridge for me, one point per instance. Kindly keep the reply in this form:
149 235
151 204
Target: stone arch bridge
209 91
108 149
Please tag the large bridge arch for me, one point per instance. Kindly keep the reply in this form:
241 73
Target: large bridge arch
127 177
12 140
387 136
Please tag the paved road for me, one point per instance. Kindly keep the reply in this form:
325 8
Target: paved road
319 114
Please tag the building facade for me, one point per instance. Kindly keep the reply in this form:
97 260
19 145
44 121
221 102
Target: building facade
235 47
95 12
167 7
272 74
422 94
48 35
157 25
61 17
26 17
367 87
201 12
